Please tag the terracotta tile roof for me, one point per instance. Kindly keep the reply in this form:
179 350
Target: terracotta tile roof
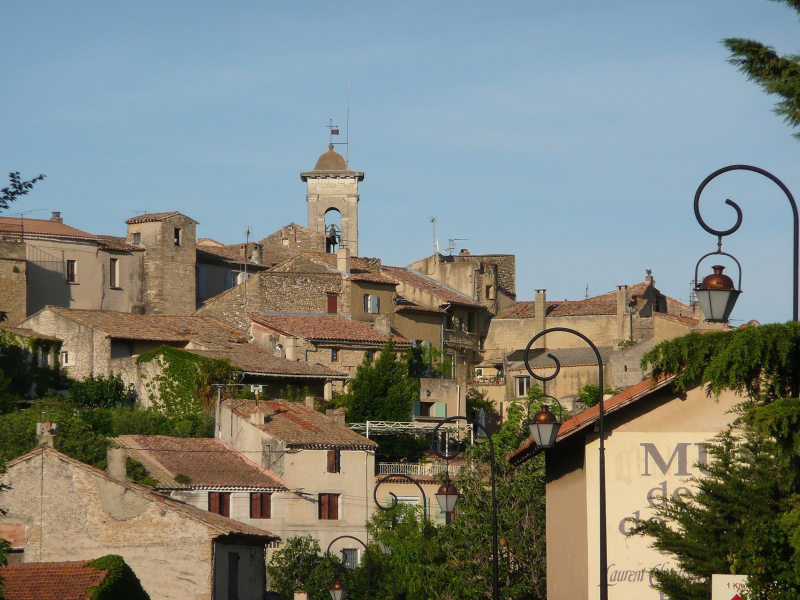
403 304
421 479
156 217
224 254
678 318
16 226
327 328
252 359
361 269
207 462
605 304
164 328
217 524
50 580
298 426
426 284
588 417
30 333
109 242
208 242
568 357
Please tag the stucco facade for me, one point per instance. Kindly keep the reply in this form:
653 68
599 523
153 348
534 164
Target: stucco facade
176 550
13 274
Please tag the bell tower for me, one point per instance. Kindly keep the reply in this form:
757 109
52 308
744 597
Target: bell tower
332 186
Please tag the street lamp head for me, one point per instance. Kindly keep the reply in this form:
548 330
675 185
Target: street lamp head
717 296
544 428
447 496
337 591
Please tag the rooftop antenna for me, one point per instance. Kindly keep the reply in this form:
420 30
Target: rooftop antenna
451 246
334 129
347 126
435 245
586 296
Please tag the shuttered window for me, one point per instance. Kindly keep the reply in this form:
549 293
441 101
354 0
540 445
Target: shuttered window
220 503
329 507
260 505
334 461
333 304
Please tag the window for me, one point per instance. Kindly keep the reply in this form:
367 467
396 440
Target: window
489 292
471 322
334 461
71 271
260 505
350 558
177 236
329 507
372 304
523 383
333 304
219 503
334 355
137 239
371 356
64 360
113 272
450 322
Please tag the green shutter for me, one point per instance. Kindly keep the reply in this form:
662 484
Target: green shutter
416 408
441 409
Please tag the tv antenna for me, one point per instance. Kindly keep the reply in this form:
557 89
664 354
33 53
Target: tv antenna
451 244
435 243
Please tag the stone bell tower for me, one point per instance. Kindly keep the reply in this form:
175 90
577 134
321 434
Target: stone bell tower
333 186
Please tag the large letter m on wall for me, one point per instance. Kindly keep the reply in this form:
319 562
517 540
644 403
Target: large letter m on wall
650 451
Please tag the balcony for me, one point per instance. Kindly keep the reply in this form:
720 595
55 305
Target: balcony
415 469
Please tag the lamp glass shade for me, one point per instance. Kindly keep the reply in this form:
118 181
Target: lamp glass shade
717 296
447 496
384 547
337 591
544 434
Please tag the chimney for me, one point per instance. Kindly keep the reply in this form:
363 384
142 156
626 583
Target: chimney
622 305
337 415
649 276
255 255
464 252
540 317
45 433
116 459
382 324
56 218
343 260
310 402
243 250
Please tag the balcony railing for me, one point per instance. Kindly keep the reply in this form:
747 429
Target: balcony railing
488 380
415 469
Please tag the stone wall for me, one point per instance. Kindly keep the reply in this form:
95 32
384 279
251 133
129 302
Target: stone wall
339 193
13 274
423 326
87 515
296 238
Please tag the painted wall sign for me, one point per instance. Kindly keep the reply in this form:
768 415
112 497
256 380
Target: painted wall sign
728 587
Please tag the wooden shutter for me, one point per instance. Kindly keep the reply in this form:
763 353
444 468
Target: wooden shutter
213 502
333 304
376 304
332 461
333 506
323 506
255 505
266 506
366 303
225 504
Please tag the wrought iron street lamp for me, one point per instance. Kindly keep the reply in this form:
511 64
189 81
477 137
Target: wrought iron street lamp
716 292
447 496
337 591
337 587
539 415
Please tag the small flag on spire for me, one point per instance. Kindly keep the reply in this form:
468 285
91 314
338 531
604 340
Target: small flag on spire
334 132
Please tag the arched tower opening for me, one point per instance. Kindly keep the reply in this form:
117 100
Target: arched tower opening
333 188
333 230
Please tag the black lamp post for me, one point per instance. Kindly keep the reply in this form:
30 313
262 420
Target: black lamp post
337 590
447 496
716 293
543 416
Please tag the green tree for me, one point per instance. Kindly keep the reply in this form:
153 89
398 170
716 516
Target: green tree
99 392
299 567
590 393
777 75
384 391
16 188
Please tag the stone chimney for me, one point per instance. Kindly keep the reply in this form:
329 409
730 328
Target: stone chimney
540 317
382 324
622 305
343 260
256 255
337 415
116 459
56 218
649 276
45 433
464 252
310 402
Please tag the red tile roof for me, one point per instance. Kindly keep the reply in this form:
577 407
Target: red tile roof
155 217
164 328
50 580
588 417
43 227
361 269
430 286
229 255
297 425
678 318
110 242
207 462
327 328
252 359
605 304
30 333
216 524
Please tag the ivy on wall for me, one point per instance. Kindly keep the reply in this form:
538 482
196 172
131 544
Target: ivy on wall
121 582
184 384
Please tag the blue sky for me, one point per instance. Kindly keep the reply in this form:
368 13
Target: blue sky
573 135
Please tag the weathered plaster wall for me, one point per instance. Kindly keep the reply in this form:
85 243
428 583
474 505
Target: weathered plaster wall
13 274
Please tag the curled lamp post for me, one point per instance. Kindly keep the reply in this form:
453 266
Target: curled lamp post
447 496
716 293
602 499
544 425
337 587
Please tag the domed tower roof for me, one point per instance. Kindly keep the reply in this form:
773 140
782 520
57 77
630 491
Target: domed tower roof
331 161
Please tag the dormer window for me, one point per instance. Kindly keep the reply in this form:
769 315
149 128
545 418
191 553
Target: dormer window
178 236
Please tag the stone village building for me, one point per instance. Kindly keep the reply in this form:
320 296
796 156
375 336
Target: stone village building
61 509
655 438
